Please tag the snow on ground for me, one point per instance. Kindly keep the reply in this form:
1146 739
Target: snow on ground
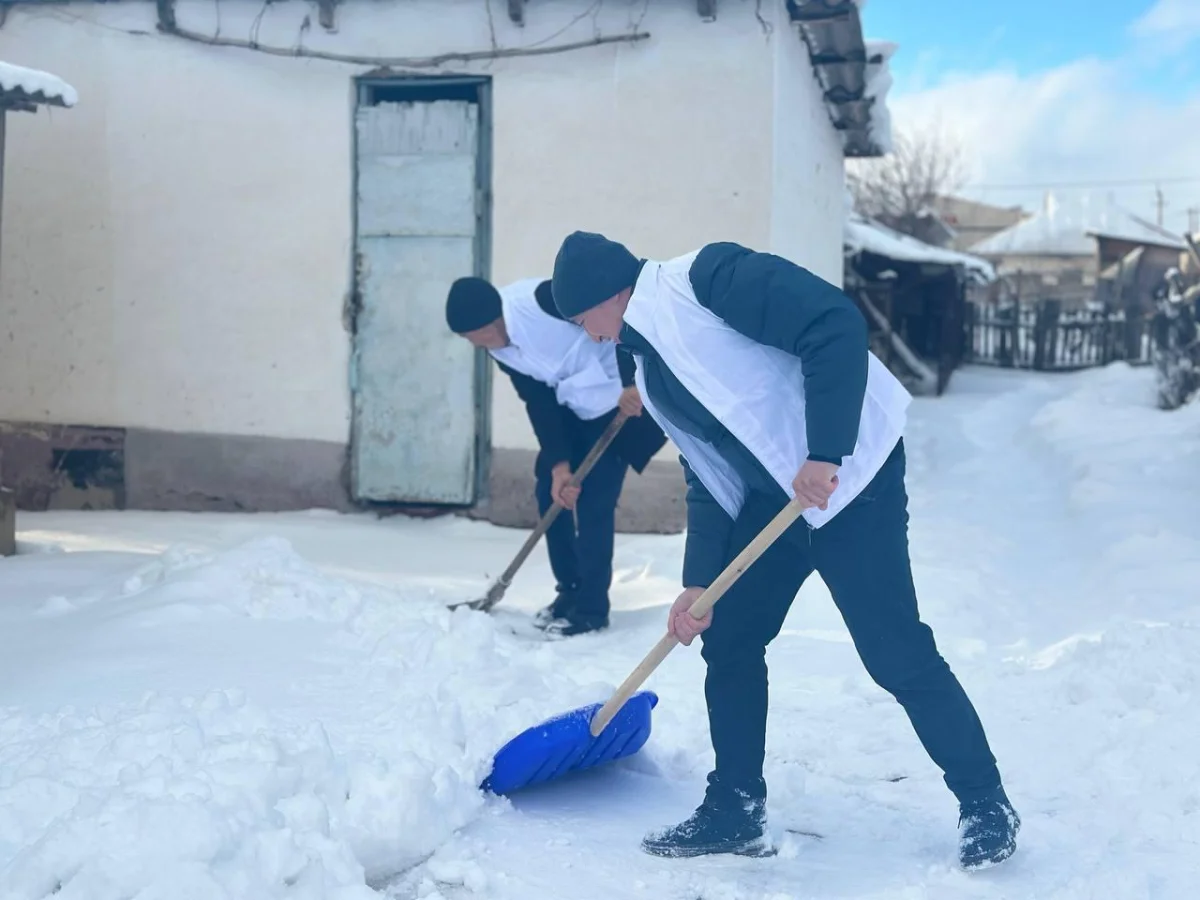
210 706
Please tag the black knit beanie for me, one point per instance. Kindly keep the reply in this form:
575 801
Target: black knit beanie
588 270
471 304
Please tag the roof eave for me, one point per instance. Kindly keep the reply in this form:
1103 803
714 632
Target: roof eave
1166 242
23 101
832 32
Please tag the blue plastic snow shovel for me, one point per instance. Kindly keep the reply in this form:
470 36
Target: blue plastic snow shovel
590 736
564 744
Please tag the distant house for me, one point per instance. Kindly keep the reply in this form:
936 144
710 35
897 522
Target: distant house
954 222
233 294
1132 270
1061 249
967 222
914 296
1158 245
21 90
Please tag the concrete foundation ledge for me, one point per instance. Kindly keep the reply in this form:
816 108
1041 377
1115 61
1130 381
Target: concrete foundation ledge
85 467
8 522
651 503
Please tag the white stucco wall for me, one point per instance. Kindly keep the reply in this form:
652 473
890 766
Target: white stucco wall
808 183
176 249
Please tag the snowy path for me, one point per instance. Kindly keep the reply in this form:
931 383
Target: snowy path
279 706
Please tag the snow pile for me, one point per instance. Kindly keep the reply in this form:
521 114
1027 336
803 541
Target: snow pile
1120 450
230 718
174 799
1110 769
261 579
400 710
37 84
1129 479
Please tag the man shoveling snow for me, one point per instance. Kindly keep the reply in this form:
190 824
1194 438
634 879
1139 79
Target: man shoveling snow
760 373
572 390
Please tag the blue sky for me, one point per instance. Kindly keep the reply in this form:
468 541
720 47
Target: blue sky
974 35
1054 91
1025 35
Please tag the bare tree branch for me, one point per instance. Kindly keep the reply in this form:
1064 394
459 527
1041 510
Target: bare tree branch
900 188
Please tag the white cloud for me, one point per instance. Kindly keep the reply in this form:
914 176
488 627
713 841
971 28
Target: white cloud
1083 121
1172 24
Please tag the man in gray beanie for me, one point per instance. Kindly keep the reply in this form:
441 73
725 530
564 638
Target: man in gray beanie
760 373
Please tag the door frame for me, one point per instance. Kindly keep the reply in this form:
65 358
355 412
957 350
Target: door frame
370 90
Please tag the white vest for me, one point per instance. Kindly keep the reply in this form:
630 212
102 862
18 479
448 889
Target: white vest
583 373
754 390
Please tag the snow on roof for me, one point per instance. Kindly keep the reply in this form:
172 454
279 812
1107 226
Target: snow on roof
34 86
1137 230
879 82
1069 230
866 234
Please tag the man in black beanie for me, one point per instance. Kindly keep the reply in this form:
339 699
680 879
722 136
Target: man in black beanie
572 389
760 373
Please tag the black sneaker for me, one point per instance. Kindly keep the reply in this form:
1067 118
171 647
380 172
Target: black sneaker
563 602
726 822
574 623
987 831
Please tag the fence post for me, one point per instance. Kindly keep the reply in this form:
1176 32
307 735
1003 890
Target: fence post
1054 331
1006 334
970 351
1045 335
1133 334
8 513
1105 332
1039 342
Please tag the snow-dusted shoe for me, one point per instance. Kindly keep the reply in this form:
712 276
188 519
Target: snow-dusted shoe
726 822
574 623
563 602
987 831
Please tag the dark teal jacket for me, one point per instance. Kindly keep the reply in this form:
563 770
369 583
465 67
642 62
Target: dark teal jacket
778 303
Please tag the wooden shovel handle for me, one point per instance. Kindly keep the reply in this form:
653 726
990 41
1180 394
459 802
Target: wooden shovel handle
764 539
500 585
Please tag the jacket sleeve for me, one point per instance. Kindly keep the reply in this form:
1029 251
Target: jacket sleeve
545 414
708 531
778 303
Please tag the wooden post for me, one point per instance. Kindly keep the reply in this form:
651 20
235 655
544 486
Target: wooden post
1017 357
1008 334
8 500
1133 334
1045 335
1039 337
8 522
970 348
952 337
1103 329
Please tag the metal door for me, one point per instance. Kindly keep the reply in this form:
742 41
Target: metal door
416 386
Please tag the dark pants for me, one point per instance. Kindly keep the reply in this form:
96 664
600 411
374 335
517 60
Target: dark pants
862 556
583 559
